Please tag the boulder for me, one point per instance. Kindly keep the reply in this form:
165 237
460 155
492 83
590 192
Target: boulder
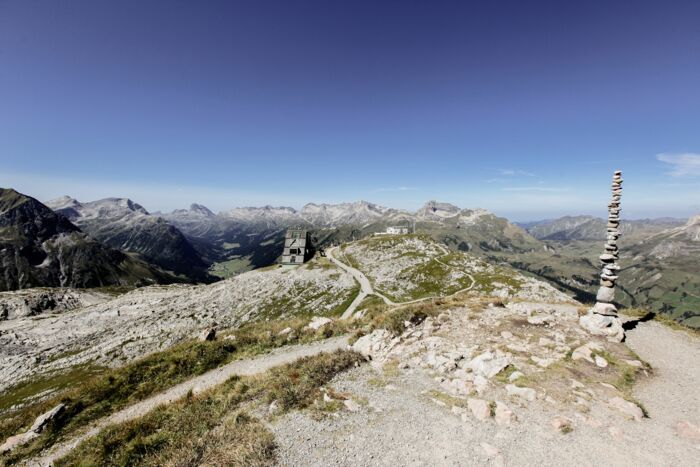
208 335
540 320
606 309
528 394
488 364
605 294
627 408
503 415
585 352
600 325
600 362
371 344
317 322
479 408
37 427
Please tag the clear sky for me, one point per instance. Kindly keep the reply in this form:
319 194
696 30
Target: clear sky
521 107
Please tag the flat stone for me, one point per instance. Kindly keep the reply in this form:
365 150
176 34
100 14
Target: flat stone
528 394
607 258
539 320
488 364
687 430
605 283
504 415
601 362
585 352
479 408
605 294
317 322
515 375
627 408
605 309
601 325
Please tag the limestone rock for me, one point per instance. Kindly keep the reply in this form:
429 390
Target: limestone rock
599 325
605 294
37 427
208 335
488 364
503 415
539 320
317 322
490 450
600 361
528 394
606 309
371 344
629 409
479 408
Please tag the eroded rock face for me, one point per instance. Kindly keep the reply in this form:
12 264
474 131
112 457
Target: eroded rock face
153 318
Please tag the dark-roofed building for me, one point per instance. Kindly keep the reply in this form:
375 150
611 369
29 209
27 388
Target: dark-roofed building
297 246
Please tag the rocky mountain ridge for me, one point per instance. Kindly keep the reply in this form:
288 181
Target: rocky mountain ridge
39 247
125 225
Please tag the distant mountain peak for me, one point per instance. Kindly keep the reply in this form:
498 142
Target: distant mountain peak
201 209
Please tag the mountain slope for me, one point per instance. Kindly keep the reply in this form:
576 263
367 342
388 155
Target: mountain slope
245 238
127 226
593 228
39 247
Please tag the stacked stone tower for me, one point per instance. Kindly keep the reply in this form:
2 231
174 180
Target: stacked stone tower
602 319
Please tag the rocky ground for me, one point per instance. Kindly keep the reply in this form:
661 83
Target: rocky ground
154 318
520 385
408 267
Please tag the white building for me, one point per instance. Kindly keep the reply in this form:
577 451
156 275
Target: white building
396 230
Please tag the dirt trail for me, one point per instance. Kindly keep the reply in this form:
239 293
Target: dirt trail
201 383
672 394
366 287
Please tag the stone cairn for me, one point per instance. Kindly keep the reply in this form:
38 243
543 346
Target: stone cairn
602 319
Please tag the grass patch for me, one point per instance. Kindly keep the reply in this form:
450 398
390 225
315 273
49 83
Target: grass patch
213 428
114 389
447 399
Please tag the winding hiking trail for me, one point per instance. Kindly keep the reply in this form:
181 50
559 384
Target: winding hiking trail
366 287
671 395
215 377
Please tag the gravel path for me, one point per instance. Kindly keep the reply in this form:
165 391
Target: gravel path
201 383
673 394
399 422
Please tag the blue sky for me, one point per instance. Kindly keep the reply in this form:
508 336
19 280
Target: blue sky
524 108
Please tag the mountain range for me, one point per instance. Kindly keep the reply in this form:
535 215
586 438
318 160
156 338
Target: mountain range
198 245
39 247
125 225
